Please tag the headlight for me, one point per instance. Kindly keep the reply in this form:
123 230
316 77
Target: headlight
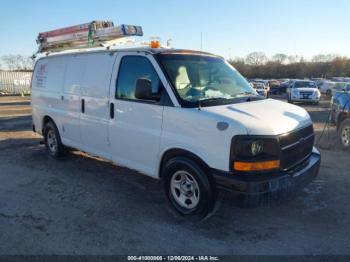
257 147
254 153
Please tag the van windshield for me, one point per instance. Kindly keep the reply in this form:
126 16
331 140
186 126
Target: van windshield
200 78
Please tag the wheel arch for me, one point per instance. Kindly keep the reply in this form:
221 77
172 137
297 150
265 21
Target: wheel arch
341 117
179 152
45 120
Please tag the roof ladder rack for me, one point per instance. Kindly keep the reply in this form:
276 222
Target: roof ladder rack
93 34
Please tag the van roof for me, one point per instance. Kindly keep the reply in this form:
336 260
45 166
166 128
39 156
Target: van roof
147 49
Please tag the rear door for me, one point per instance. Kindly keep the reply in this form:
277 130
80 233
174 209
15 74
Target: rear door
94 103
48 81
136 125
75 71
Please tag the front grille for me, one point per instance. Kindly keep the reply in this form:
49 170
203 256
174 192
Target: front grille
306 93
296 146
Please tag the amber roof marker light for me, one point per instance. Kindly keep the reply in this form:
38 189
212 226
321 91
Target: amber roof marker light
155 42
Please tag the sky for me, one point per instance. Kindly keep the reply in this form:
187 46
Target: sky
231 28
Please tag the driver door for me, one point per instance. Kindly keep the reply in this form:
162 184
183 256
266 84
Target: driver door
136 125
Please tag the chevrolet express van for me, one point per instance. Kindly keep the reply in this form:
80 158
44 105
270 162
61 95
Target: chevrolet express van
185 117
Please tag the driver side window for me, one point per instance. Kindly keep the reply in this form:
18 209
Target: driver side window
131 69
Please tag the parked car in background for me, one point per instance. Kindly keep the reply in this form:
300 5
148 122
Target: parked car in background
303 91
326 87
318 81
265 82
286 84
340 86
260 88
340 115
339 79
275 87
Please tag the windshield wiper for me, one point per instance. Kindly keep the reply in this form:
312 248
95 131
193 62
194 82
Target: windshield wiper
244 93
214 99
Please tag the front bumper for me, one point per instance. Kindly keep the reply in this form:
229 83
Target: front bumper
273 183
301 99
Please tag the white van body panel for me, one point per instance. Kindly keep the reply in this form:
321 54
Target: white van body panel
264 117
210 144
136 130
196 131
75 71
141 133
47 84
94 122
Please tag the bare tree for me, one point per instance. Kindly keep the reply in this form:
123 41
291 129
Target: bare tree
280 58
319 58
27 63
18 62
237 60
294 59
256 58
10 62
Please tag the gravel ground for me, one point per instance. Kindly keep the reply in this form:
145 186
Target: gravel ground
84 205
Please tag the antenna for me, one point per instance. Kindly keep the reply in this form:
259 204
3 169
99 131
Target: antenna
201 41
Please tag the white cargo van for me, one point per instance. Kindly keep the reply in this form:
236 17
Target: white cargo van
185 117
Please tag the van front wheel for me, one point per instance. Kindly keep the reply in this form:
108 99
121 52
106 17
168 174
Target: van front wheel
188 188
52 139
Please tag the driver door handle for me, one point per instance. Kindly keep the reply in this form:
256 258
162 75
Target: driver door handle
111 110
83 106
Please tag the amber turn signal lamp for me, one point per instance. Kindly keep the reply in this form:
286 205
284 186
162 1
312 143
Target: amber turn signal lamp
256 166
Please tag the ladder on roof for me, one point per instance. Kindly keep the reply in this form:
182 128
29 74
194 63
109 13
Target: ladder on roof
93 34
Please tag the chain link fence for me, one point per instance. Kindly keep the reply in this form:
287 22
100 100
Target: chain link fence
15 83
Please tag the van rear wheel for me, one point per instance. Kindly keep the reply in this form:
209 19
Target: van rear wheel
52 140
188 188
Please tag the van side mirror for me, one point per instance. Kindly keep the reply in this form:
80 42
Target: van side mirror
143 90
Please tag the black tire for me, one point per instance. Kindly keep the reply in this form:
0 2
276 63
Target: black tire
175 168
342 130
51 137
329 93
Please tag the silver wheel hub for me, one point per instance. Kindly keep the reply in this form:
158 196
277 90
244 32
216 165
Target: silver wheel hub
185 189
345 136
52 140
